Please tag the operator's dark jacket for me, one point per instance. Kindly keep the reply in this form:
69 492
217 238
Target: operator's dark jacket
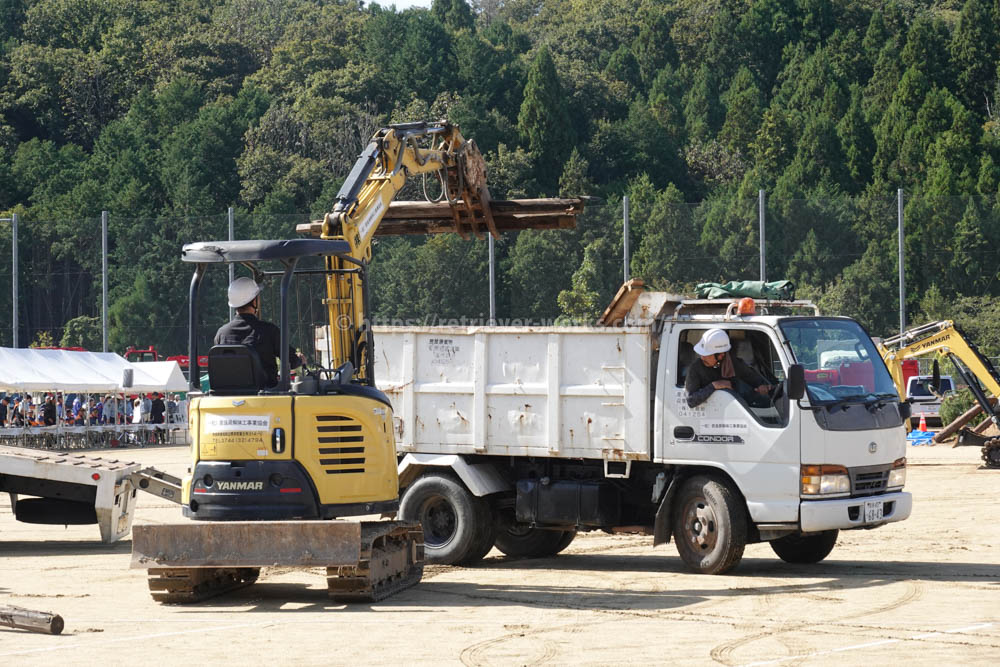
700 378
246 329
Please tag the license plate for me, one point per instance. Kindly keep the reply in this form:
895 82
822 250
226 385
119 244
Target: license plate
873 511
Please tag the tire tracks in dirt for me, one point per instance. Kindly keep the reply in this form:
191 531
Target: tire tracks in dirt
723 652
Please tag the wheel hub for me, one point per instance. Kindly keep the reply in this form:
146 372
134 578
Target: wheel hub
438 521
699 518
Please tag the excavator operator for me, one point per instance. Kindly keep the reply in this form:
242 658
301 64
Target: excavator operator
247 329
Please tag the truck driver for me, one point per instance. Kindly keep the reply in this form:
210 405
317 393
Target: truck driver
715 368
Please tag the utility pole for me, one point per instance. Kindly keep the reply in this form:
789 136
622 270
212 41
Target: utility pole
902 275
493 285
626 272
763 252
232 267
104 278
13 221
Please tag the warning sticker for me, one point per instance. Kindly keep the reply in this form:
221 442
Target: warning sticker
230 423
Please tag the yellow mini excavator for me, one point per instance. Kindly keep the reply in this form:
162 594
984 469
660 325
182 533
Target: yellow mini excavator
272 467
944 339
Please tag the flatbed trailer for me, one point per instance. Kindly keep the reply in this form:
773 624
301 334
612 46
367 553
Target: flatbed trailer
61 488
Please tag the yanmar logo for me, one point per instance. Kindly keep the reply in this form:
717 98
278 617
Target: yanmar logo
239 486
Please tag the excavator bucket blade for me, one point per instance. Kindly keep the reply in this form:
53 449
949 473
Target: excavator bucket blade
247 544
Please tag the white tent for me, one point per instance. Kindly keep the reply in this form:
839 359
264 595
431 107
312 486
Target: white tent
32 370
158 376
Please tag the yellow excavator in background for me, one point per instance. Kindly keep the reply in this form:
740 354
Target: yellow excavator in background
943 339
271 465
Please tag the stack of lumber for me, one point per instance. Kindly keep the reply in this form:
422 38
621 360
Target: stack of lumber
421 217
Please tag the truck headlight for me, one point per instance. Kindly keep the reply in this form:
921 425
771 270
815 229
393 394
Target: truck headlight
897 475
825 480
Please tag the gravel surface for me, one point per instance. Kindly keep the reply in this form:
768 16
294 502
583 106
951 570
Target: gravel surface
926 591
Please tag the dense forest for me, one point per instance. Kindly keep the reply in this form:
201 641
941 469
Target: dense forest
167 113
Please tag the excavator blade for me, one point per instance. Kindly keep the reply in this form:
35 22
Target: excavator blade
246 544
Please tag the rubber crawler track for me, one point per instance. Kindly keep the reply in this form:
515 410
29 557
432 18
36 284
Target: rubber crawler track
392 560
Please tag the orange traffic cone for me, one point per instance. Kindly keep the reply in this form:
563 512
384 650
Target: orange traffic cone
923 423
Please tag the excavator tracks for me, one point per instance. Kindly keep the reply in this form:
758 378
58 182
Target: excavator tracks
991 453
364 561
392 560
194 584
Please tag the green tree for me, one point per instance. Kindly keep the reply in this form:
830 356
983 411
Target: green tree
453 14
544 119
702 109
857 141
669 241
744 108
83 331
974 51
593 283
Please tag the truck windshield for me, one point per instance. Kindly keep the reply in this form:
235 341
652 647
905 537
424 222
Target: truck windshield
840 361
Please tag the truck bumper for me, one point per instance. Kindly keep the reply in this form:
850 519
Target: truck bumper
847 513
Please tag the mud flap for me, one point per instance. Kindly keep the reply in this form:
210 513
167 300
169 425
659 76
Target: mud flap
661 525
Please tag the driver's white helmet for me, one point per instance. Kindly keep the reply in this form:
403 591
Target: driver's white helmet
714 341
242 291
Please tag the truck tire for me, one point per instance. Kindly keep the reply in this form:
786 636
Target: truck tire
798 548
485 537
710 526
519 540
450 515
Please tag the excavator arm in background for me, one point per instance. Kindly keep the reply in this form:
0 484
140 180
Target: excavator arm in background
944 339
393 155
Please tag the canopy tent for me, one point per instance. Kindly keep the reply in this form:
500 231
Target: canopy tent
165 375
34 370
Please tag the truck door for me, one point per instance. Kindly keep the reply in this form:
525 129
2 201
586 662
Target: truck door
755 439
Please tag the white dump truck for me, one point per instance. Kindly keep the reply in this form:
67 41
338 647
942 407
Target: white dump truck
521 436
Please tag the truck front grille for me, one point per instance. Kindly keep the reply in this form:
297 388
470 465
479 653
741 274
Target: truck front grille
868 481
341 445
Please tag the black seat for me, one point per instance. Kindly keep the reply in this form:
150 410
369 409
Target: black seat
235 369
686 355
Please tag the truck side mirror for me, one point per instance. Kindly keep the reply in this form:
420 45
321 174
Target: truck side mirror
796 382
905 410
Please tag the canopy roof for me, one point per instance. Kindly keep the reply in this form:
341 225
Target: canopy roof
257 250
32 370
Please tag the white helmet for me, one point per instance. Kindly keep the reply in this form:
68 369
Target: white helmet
242 291
714 341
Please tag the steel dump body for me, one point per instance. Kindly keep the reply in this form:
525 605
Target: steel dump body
544 391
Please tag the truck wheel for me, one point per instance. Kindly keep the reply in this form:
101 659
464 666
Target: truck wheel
710 526
567 538
798 548
449 514
487 533
519 540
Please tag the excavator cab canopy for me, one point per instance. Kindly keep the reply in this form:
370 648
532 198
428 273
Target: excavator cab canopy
250 253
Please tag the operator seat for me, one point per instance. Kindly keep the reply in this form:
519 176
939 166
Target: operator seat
234 370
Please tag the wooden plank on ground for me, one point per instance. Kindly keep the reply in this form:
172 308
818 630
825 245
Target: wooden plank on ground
960 421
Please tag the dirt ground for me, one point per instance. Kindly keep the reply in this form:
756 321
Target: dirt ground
926 591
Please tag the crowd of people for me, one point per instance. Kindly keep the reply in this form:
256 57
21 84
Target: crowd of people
21 410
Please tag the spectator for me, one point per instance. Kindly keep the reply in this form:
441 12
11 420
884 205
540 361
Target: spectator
76 405
49 411
137 411
147 408
110 409
182 410
4 402
171 408
60 408
157 409
15 419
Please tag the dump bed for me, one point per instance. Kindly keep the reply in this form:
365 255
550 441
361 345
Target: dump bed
575 392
